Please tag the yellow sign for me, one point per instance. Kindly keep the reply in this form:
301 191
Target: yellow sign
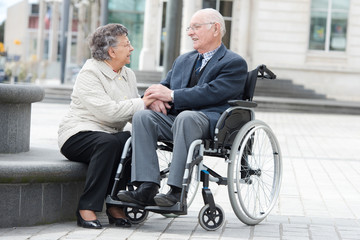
17 42
2 49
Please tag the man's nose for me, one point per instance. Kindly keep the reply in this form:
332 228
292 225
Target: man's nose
190 32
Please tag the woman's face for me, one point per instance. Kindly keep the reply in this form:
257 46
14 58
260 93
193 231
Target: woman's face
121 53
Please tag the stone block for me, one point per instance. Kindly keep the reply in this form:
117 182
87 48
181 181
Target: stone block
9 204
71 192
15 116
15 127
30 205
52 197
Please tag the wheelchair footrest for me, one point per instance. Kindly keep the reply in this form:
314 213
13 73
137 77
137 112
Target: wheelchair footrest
178 209
112 201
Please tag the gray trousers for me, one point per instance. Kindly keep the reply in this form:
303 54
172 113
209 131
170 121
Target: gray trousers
148 127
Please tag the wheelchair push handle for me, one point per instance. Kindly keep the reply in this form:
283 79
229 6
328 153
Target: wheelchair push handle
264 72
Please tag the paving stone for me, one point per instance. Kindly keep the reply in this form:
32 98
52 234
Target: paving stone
318 199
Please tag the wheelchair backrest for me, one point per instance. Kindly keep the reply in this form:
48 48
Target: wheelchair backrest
232 120
260 72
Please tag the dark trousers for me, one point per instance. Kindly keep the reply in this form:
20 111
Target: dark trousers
102 152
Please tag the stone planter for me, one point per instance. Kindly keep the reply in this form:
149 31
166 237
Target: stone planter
15 116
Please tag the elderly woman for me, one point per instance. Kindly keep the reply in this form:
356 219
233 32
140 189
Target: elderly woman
104 99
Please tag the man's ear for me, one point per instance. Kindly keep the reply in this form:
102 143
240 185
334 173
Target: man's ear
216 29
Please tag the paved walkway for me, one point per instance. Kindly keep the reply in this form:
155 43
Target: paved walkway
319 199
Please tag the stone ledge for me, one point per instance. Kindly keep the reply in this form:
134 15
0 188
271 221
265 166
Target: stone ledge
39 165
20 93
39 187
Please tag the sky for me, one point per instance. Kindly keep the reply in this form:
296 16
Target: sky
4 4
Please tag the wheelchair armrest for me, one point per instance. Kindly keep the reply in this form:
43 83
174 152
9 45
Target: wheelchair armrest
241 103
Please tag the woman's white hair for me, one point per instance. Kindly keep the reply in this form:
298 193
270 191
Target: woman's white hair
213 16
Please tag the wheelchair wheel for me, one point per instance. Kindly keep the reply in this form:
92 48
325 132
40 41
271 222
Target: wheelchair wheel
254 172
164 158
211 220
136 215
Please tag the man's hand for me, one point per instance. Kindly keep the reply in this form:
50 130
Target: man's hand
159 92
159 106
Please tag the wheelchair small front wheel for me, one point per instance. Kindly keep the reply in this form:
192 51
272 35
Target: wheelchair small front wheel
136 215
211 220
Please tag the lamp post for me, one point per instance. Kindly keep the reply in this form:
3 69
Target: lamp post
173 29
64 30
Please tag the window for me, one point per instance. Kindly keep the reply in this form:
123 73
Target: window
225 8
328 25
131 15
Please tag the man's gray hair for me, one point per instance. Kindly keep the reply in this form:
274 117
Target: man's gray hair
212 15
103 38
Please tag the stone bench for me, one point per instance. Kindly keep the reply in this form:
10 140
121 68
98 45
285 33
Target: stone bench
39 187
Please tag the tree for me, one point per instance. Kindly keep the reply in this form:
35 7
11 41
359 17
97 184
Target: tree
2 29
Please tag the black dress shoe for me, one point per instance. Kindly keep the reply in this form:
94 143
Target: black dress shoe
94 224
169 199
119 222
143 195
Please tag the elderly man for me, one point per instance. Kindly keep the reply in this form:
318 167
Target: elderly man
189 102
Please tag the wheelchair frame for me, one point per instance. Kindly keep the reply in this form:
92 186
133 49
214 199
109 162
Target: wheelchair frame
254 167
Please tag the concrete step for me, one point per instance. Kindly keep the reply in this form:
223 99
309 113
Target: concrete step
277 87
272 88
273 104
285 88
271 95
58 93
148 77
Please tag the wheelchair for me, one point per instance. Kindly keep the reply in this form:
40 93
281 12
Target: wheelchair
254 172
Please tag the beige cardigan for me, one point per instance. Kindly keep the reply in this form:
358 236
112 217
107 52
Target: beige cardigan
102 100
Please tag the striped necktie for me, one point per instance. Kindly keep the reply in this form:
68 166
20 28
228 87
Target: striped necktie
198 64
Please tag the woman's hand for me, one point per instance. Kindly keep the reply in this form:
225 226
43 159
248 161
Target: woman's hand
160 106
148 100
156 105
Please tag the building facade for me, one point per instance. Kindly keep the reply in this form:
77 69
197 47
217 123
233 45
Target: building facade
312 42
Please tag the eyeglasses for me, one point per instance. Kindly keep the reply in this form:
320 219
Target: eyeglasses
128 45
197 26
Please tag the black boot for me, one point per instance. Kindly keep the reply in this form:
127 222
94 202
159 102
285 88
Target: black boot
143 195
168 199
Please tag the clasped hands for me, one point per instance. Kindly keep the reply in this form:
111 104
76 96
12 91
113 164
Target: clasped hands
157 98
